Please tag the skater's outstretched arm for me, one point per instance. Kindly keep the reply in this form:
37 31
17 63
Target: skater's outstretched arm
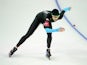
49 30
63 11
61 14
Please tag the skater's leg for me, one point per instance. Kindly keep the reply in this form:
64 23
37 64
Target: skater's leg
49 39
32 28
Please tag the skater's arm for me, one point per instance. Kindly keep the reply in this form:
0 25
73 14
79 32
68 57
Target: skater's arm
49 30
61 14
63 11
67 9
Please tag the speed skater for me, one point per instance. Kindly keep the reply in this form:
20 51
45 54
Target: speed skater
46 18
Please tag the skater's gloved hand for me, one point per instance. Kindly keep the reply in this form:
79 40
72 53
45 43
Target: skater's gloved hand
67 9
61 29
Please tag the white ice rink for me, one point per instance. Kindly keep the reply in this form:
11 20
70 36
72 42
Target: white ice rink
68 48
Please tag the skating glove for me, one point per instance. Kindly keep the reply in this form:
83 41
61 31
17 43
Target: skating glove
67 9
48 30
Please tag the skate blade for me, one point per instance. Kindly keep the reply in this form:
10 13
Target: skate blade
10 55
48 57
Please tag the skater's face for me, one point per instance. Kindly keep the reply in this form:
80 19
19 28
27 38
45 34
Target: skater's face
55 17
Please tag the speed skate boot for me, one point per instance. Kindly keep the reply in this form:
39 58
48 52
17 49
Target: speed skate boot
48 54
12 51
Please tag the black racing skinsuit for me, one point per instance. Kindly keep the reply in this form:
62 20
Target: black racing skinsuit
40 18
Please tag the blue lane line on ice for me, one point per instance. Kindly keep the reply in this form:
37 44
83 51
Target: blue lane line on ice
59 7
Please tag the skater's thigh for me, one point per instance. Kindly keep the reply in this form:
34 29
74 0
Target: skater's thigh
33 26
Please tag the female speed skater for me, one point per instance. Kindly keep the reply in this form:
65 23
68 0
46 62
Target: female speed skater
45 18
